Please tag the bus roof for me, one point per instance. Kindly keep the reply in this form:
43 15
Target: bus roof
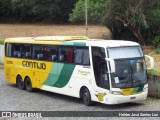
112 43
71 40
50 38
60 38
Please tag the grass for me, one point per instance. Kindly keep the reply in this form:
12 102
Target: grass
153 72
150 50
2 42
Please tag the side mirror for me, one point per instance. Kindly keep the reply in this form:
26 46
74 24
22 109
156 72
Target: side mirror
111 65
151 61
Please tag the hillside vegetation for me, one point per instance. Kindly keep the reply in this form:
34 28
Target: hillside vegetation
135 20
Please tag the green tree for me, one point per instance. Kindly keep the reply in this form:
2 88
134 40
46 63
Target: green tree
36 10
133 19
5 9
95 10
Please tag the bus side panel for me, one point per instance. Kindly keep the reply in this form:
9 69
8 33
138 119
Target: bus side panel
40 75
77 76
37 71
27 68
81 77
9 70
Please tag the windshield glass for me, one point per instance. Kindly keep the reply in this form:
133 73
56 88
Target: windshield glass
130 69
129 73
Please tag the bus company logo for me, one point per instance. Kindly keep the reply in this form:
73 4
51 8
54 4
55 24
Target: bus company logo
6 114
84 73
31 64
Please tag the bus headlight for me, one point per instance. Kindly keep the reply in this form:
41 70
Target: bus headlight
116 92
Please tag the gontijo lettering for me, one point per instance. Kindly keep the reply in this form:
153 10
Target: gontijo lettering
31 64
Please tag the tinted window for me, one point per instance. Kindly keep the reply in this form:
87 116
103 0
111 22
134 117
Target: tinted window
45 52
16 50
8 49
66 54
81 56
38 52
26 51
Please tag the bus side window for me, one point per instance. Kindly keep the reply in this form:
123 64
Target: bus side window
40 56
66 54
8 49
85 57
81 56
28 54
38 52
70 55
26 51
54 57
54 53
46 52
16 50
16 53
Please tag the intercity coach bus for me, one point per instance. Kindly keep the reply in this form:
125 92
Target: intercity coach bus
105 71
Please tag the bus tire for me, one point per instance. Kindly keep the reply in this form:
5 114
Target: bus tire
86 97
20 83
28 84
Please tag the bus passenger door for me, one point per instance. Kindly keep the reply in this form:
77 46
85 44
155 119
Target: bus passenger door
100 68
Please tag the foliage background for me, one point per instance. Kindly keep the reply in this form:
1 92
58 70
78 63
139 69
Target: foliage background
47 11
136 20
96 8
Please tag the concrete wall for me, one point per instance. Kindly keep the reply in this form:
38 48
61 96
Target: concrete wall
2 53
154 86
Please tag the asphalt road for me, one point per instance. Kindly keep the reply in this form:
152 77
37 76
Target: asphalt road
14 99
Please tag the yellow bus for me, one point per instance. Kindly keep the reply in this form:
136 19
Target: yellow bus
105 71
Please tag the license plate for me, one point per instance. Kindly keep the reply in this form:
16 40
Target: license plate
132 98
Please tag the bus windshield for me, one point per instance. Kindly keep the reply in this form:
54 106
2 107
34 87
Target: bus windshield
130 69
129 73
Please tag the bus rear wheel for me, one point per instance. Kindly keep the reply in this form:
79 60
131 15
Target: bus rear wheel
20 83
86 97
28 84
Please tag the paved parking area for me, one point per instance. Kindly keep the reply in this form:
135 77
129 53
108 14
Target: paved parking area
14 99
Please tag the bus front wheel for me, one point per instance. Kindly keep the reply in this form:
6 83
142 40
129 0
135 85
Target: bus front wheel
20 83
28 84
86 97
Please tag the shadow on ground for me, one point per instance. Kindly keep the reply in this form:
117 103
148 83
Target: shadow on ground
69 99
